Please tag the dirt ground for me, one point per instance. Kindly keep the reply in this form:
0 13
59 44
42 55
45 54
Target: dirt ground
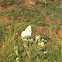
4 19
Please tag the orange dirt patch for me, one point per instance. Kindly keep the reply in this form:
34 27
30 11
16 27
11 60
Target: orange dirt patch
60 32
48 20
43 12
41 30
13 7
18 0
0 8
31 2
4 19
60 6
59 21
9 7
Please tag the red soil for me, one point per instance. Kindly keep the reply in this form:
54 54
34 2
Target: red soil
4 19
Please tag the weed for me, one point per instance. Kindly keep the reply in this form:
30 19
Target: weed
55 52
2 13
30 51
5 2
22 7
27 15
28 20
13 13
56 27
42 24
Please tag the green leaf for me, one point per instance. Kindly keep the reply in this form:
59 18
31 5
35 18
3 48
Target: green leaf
45 60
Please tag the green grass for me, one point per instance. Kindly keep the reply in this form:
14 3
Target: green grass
6 3
10 33
13 13
55 52
22 7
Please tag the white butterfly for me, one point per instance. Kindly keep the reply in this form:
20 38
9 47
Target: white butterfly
27 32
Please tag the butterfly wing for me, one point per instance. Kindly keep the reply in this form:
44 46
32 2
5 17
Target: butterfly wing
28 29
27 32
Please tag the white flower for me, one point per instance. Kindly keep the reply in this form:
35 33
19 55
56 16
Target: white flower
41 44
17 59
24 39
27 32
45 52
24 45
30 39
45 40
37 38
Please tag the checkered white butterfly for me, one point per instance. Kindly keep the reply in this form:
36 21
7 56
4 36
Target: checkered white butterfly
27 32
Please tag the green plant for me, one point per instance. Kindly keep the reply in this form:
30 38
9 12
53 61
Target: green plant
28 20
7 40
22 7
30 50
2 13
39 48
55 51
13 13
42 24
56 27
8 2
